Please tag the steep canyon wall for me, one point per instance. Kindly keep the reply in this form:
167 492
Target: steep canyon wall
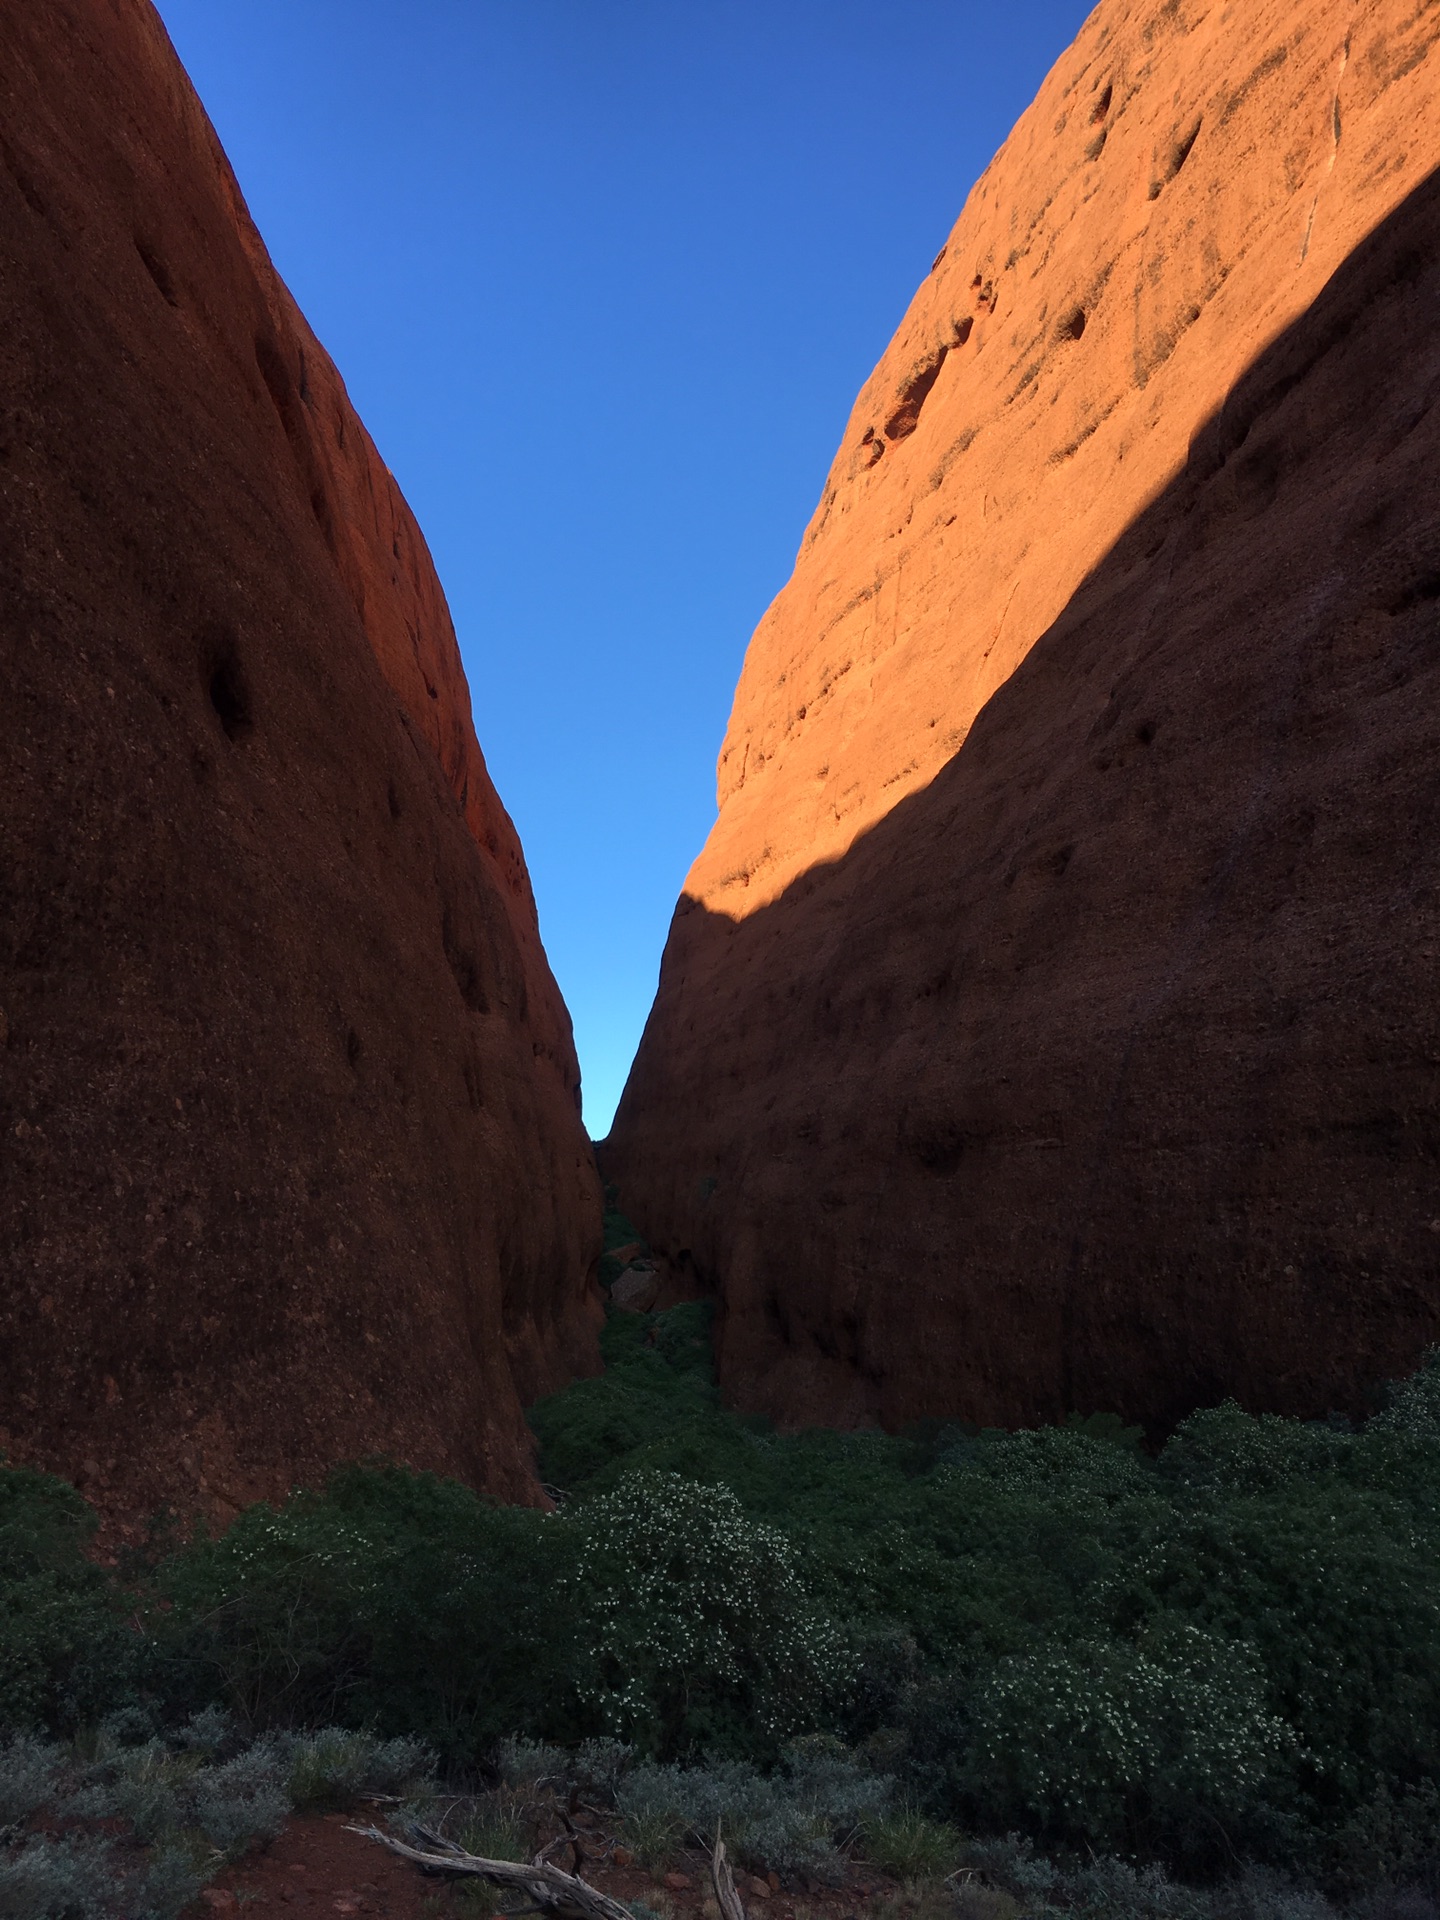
291 1163
1049 1021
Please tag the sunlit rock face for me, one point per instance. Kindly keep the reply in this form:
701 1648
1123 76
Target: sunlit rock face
1050 1021
291 1164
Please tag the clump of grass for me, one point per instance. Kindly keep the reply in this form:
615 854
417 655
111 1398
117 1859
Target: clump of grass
652 1834
493 1828
331 1769
973 1900
911 1847
918 1900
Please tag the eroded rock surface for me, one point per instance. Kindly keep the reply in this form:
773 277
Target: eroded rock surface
1049 1021
291 1164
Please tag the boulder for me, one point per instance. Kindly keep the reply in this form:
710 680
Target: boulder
636 1290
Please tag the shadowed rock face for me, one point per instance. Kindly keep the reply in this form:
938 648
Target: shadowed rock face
291 1165
1050 1021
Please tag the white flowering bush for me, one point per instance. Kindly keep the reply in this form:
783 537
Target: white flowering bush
1226 1450
1058 1462
1091 1738
700 1631
1414 1408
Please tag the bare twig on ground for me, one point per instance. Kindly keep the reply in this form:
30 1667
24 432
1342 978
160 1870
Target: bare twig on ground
553 1890
723 1880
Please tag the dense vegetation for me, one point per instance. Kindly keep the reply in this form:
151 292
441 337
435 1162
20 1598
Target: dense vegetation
1226 1652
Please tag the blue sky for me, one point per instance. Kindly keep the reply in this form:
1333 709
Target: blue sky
603 278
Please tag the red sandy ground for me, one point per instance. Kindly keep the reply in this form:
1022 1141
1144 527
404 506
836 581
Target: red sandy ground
319 1865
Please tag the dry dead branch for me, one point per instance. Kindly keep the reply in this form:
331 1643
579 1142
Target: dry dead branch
723 1880
552 1890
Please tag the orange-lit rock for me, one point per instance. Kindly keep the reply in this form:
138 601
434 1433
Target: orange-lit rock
291 1165
1049 1021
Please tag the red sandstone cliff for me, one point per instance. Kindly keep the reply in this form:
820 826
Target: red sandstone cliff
1049 1020
291 1164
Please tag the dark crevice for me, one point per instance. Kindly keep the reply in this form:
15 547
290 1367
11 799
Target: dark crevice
278 384
1179 153
324 519
157 271
228 689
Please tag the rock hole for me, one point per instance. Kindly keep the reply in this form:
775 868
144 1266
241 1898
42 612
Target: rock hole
474 1088
228 690
963 329
1180 152
320 507
353 1049
464 967
913 395
1178 155
1060 860
393 800
1257 476
939 1150
1421 592
157 271
1102 105
1096 147
1072 324
1145 732
22 180
276 375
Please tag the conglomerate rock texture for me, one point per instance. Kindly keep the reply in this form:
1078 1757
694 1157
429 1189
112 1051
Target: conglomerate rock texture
1050 1021
291 1164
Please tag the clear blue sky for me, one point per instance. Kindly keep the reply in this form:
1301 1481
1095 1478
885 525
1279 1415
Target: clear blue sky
603 278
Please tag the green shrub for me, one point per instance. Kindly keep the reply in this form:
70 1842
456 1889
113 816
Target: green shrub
66 1653
793 1821
1108 1742
701 1633
174 1799
533 1763
657 1388
331 1769
1229 1651
61 1880
393 1601
29 1770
